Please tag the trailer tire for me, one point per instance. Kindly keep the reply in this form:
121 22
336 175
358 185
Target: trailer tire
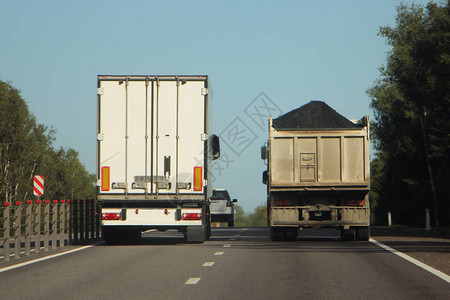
110 236
363 233
231 222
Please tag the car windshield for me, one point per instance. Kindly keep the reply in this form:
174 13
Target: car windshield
220 195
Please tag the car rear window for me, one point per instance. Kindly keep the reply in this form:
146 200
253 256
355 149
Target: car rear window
220 195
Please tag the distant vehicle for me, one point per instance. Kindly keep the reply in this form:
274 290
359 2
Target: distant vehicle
222 207
153 152
318 173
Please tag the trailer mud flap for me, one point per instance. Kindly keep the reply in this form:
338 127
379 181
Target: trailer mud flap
195 234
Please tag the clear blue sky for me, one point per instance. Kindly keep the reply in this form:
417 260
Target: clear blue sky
292 51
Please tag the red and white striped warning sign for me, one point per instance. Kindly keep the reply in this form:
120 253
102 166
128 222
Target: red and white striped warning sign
38 185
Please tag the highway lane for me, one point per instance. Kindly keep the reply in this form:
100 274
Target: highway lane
239 263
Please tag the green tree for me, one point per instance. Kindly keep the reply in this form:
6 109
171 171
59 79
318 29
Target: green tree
26 150
258 217
240 219
411 105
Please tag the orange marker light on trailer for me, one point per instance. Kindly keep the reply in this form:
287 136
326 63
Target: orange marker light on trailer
105 178
198 179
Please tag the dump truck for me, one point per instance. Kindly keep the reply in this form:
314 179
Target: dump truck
318 173
154 148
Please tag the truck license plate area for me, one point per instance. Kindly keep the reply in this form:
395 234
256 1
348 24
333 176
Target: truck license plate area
320 215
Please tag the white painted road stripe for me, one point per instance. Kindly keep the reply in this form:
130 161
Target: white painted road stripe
413 260
44 258
227 246
208 264
218 253
193 280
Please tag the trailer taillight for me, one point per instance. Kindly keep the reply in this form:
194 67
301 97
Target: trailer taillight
105 178
111 216
192 216
198 178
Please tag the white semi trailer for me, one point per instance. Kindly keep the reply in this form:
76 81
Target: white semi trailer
153 152
318 173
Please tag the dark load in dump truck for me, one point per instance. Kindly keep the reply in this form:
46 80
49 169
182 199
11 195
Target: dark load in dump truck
318 173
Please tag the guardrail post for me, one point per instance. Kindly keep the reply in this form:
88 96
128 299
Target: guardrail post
54 223
46 232
37 229
69 221
62 223
81 219
427 219
17 228
6 231
75 220
28 227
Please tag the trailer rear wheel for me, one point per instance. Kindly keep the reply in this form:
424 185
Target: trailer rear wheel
231 222
111 236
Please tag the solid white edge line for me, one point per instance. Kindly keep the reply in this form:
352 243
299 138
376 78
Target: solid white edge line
432 270
45 258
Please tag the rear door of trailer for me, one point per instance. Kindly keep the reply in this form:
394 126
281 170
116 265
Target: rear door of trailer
149 131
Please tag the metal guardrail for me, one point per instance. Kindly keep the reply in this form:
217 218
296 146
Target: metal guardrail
44 225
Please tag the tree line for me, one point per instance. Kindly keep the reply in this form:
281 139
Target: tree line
26 150
411 128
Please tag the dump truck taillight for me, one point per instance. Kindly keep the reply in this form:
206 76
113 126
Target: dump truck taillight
359 202
285 202
111 216
105 178
192 216
198 179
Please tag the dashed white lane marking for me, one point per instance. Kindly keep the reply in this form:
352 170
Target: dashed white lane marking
413 260
218 253
45 258
193 280
227 246
233 239
208 264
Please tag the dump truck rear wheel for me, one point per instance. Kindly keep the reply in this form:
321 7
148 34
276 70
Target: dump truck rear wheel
290 234
348 234
363 233
276 234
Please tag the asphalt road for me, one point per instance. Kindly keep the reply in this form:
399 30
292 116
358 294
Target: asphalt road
239 263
